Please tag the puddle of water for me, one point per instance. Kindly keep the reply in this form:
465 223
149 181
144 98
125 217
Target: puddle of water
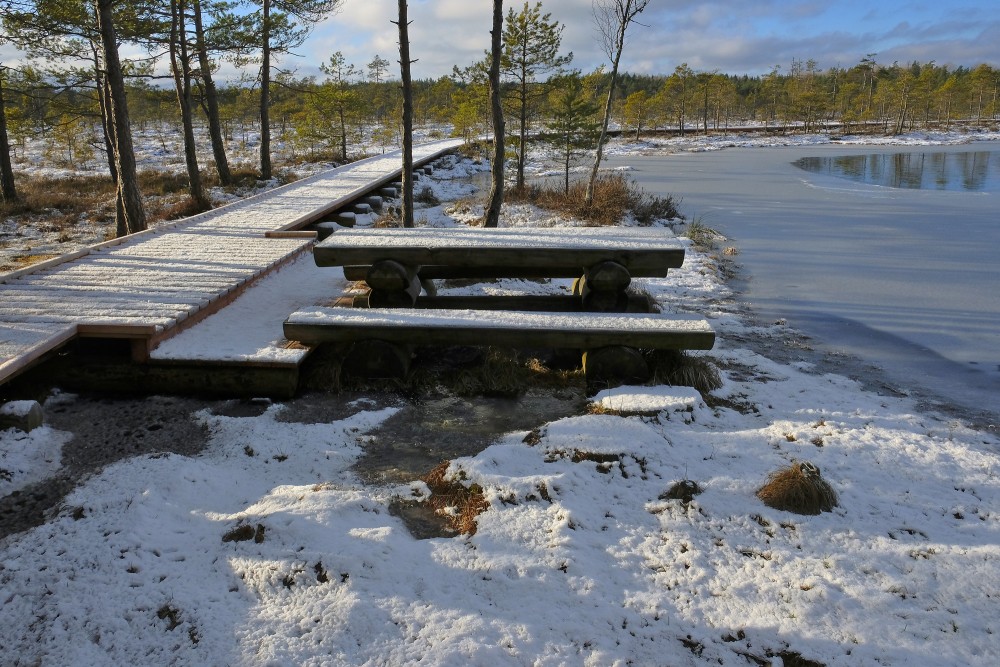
422 435
970 171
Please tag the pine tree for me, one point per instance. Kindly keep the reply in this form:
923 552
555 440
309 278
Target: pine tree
531 51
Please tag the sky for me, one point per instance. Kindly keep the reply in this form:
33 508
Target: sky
734 37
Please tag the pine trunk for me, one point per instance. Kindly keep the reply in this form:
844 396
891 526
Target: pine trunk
265 95
8 192
180 64
404 65
496 110
128 184
211 101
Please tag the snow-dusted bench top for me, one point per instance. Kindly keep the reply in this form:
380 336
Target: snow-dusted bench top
502 328
645 252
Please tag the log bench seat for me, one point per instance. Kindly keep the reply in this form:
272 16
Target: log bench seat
384 337
398 263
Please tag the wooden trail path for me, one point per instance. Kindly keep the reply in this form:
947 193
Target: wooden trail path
148 286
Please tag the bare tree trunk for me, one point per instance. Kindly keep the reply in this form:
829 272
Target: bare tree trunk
8 192
104 100
496 110
211 100
132 215
265 95
613 18
404 68
180 64
589 198
103 97
522 134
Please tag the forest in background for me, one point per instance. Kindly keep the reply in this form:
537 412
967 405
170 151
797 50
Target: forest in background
355 107
71 95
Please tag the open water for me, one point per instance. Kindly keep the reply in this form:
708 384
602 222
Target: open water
905 278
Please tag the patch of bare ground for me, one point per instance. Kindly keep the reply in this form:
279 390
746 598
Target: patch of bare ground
63 213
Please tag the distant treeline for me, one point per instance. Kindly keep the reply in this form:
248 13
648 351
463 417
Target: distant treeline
332 114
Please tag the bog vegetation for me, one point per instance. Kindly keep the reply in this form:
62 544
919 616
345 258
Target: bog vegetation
64 99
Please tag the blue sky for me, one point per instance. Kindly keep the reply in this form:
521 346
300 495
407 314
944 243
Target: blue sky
730 36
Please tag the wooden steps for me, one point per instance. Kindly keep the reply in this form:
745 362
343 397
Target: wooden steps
500 328
382 339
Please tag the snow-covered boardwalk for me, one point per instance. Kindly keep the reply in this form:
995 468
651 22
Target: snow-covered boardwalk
145 285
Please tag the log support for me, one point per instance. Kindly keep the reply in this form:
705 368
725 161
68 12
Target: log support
602 288
614 365
393 285
377 359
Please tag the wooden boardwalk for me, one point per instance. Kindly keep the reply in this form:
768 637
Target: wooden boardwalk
147 286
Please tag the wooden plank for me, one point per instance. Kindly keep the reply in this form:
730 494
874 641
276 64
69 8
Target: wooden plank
41 266
99 330
23 344
555 303
102 296
291 234
501 328
364 182
459 272
158 319
81 289
645 254
82 310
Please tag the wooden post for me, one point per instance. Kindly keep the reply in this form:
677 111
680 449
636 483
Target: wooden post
393 285
614 365
602 288
377 359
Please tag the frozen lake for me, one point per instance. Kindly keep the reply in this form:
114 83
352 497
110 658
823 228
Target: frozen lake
905 278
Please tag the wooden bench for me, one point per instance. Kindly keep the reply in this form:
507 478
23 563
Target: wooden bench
608 340
396 262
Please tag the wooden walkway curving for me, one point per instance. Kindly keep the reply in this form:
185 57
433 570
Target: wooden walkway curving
150 285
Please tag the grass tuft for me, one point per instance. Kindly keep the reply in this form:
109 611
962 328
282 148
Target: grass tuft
615 196
680 369
426 196
798 488
702 236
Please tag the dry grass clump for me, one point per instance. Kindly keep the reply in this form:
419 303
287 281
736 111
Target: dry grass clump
799 488
702 236
501 374
494 372
426 196
679 369
504 373
61 200
389 219
459 503
614 197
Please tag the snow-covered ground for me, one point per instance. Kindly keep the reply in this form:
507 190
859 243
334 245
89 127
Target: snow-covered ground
580 559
